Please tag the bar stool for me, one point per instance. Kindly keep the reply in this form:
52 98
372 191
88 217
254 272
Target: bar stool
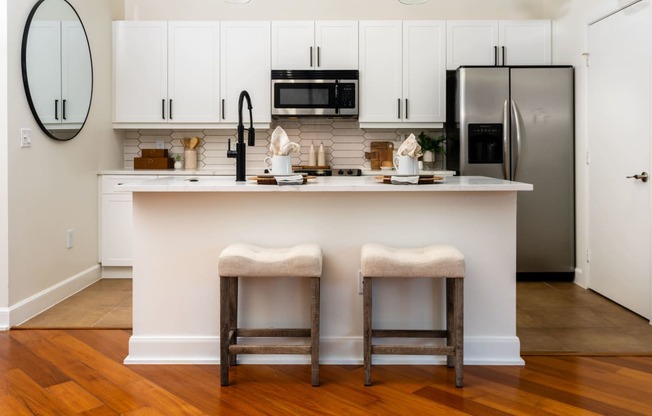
247 261
434 261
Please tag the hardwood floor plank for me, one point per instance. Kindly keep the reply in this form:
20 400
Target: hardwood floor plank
94 382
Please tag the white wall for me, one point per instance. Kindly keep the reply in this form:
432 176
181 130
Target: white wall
332 9
52 186
4 223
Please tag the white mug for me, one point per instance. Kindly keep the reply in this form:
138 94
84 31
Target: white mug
406 165
279 165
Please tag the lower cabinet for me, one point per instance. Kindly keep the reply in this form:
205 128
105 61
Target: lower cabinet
116 230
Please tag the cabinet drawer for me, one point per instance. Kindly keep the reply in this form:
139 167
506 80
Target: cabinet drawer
110 182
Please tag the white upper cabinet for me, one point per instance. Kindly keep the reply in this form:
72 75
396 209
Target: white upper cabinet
166 72
525 42
402 72
315 45
246 66
493 42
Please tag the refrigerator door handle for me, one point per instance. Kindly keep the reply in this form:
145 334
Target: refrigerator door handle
517 122
505 138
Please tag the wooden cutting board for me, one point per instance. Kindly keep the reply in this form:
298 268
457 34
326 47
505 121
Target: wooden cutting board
380 152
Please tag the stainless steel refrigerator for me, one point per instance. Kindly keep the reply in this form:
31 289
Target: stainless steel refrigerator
517 123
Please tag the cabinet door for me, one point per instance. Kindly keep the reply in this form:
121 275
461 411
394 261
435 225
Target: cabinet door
117 230
76 74
471 42
44 68
337 44
193 72
424 71
140 71
293 44
381 72
525 42
246 66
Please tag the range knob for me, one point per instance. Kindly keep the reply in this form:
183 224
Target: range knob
340 172
349 172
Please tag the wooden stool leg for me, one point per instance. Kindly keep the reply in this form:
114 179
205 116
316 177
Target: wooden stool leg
225 319
458 329
233 316
450 321
367 321
314 330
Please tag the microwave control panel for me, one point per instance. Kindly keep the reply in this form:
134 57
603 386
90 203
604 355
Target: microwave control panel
346 93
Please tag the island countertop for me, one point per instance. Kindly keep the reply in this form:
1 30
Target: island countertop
197 183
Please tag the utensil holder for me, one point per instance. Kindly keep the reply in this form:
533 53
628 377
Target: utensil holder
190 159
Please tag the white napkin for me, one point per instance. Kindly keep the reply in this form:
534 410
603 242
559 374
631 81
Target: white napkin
289 180
280 144
405 180
410 147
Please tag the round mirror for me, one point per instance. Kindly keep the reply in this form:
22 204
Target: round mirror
57 68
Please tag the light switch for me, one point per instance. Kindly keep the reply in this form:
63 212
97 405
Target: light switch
25 137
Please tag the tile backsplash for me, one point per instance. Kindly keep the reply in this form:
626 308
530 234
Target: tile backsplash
345 143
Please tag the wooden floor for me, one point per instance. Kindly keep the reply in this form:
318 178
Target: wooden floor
80 372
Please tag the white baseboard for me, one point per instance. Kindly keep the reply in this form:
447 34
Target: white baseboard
32 306
114 272
4 319
333 350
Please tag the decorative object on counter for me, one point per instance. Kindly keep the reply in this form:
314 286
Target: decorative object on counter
240 261
431 146
312 155
411 179
280 144
381 154
177 161
154 159
321 155
278 165
297 179
440 261
190 152
406 165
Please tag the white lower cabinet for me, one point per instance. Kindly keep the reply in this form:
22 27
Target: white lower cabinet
116 230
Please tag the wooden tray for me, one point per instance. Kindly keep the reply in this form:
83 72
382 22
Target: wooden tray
270 180
423 179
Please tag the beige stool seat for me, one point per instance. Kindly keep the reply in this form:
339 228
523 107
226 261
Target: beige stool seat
439 261
248 261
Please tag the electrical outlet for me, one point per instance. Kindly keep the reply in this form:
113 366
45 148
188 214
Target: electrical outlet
25 137
70 238
160 144
360 282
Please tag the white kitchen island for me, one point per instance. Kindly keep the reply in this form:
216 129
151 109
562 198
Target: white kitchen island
181 226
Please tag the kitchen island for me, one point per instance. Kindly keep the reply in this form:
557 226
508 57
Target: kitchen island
181 225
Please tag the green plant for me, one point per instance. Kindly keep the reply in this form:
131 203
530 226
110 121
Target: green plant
431 144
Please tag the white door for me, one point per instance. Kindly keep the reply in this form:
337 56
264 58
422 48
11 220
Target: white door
619 144
337 44
424 71
246 66
140 77
525 42
293 44
193 72
381 71
471 42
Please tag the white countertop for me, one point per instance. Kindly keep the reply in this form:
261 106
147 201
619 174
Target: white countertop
231 171
320 184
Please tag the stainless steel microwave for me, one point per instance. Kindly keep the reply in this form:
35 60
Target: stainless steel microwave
315 93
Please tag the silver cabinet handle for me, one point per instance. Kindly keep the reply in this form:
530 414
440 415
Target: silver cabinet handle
517 122
506 129
643 176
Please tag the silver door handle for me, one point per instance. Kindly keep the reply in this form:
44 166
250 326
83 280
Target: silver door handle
643 176
517 122
506 129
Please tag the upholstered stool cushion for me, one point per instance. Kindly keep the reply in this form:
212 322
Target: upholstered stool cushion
304 260
434 261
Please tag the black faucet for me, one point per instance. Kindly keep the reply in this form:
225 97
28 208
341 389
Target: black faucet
240 152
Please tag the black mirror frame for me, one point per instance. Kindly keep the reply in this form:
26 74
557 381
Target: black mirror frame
23 63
